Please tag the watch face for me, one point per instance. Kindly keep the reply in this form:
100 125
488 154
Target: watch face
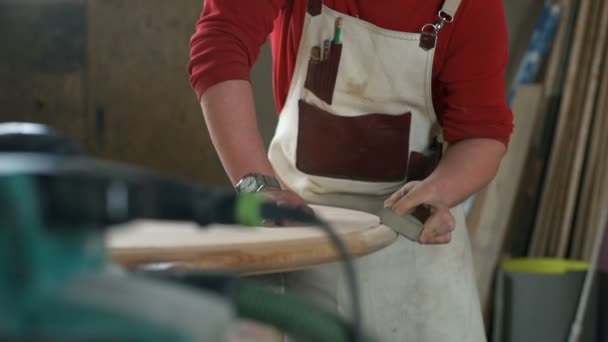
249 184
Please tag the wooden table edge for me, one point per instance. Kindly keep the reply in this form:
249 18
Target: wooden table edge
256 260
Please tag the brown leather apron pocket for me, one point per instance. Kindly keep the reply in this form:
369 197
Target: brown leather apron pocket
372 147
421 165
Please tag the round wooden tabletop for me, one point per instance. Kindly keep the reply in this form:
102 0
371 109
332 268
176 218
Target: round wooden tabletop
244 249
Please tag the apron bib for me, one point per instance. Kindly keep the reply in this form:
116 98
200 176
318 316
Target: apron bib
352 116
357 124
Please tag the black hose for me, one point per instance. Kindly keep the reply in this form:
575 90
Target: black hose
271 210
297 317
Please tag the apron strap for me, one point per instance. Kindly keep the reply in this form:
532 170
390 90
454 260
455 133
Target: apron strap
449 9
430 31
314 7
446 15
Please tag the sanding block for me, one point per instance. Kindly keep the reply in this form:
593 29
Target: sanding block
410 226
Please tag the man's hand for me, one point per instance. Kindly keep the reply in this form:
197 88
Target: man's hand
466 168
285 198
439 226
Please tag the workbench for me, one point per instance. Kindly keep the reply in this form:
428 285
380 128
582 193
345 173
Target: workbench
246 250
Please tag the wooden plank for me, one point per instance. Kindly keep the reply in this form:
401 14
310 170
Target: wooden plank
585 204
550 234
522 21
521 222
589 100
543 223
587 207
499 195
555 108
601 209
558 57
568 145
245 249
600 156
596 204
591 201
600 198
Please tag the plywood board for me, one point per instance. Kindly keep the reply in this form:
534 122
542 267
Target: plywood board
561 219
521 222
499 196
597 203
545 221
522 218
245 249
591 200
559 51
585 204
586 117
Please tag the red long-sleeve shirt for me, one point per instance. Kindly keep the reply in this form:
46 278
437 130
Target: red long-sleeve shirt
469 65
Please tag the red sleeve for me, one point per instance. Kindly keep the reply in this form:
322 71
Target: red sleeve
472 80
227 40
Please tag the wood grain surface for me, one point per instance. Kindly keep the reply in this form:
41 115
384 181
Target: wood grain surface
523 216
244 249
544 231
585 113
592 198
499 196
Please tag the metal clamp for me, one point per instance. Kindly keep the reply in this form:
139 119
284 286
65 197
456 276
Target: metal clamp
431 31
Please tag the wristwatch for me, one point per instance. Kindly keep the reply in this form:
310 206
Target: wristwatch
255 182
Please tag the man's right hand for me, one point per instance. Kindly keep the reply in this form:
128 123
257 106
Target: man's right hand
229 113
285 198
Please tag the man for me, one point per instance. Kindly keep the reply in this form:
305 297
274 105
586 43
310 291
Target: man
365 90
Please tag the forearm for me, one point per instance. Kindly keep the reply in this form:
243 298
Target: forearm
229 112
466 168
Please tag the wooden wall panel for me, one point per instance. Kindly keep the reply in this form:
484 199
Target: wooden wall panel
112 74
141 107
42 63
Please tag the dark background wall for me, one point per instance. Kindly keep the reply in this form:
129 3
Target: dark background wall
112 75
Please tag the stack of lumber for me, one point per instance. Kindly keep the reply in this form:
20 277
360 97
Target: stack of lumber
564 225
552 188
491 210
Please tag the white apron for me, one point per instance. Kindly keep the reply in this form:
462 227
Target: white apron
358 117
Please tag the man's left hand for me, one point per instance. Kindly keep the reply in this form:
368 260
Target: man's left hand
439 226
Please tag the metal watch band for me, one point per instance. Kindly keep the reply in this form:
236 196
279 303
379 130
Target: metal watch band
254 182
269 181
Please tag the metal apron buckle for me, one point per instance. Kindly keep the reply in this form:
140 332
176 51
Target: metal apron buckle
429 32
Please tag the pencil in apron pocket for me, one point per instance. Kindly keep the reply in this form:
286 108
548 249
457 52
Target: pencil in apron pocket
323 81
332 64
331 73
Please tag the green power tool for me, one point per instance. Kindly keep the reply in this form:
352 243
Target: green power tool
56 282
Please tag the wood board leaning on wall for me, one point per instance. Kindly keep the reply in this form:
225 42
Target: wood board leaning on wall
552 207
